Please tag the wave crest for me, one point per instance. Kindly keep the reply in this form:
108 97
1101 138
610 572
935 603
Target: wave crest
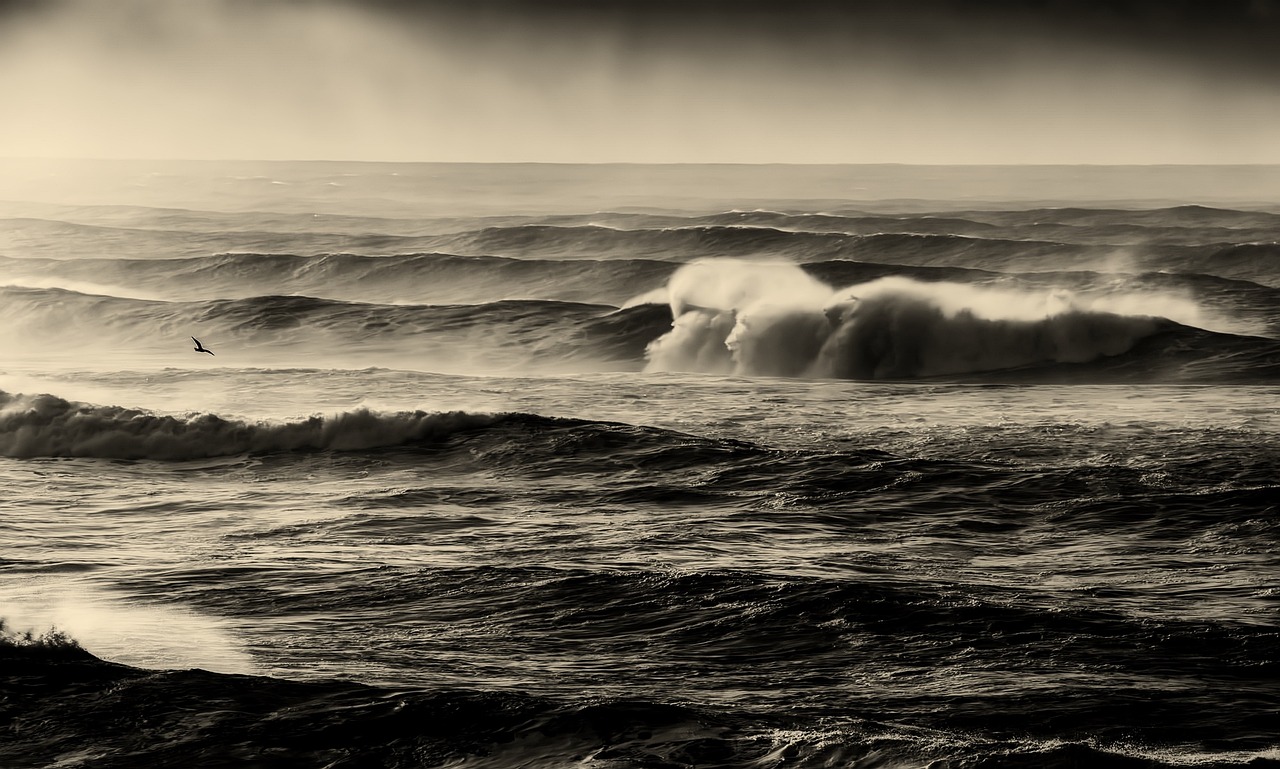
48 426
776 320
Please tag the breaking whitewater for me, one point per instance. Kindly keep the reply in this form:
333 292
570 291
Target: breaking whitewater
638 465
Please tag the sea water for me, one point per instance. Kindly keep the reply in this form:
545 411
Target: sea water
638 465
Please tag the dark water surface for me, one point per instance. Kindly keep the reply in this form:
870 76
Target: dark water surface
639 467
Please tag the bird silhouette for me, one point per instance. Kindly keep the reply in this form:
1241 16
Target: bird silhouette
199 347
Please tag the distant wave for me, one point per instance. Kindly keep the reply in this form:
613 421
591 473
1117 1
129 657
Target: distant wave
504 334
1007 241
452 279
677 242
1223 242
777 320
402 278
1182 216
1184 219
696 241
61 239
1161 223
1255 262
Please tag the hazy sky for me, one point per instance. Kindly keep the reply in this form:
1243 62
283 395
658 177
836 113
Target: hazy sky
811 81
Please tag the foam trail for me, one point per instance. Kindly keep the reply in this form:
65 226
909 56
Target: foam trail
775 320
48 426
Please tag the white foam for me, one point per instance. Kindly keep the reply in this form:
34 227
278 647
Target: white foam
115 629
774 319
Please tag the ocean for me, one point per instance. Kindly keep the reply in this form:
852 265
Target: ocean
638 466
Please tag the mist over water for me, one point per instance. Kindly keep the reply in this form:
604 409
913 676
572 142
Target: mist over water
604 435
776 320
650 466
115 629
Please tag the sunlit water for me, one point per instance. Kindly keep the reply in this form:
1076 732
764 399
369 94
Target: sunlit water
503 510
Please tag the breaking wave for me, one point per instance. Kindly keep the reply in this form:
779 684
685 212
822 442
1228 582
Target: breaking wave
47 426
715 316
777 320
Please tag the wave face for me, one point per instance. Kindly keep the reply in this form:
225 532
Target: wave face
396 279
48 426
502 335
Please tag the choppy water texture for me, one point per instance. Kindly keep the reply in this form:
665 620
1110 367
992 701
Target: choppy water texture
537 466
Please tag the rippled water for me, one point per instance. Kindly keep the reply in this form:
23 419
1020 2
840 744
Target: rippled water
573 557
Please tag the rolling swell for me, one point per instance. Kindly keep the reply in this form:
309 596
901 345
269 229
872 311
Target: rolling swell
402 278
48 426
61 240
672 242
1181 217
1186 225
501 335
1019 250
45 425
910 248
1185 238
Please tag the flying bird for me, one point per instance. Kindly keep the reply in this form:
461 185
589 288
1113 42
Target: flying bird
199 347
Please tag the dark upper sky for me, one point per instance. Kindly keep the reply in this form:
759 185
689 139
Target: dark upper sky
931 81
1234 33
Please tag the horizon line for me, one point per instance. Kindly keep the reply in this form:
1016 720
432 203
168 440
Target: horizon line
60 158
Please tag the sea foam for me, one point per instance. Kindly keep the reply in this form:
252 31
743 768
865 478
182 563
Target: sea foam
774 319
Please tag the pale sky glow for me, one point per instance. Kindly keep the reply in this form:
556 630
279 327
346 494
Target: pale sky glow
296 80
